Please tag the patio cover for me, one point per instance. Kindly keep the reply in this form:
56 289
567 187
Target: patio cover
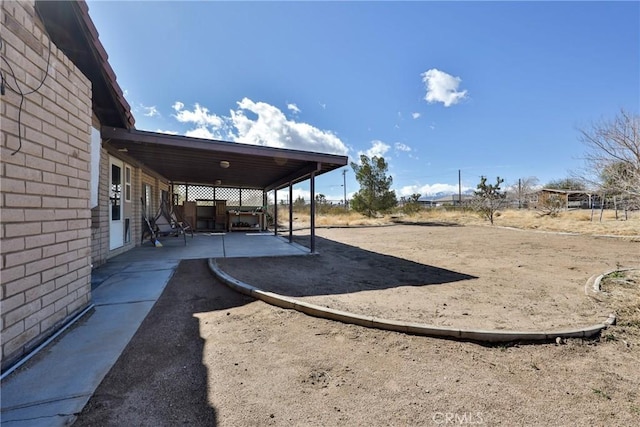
182 159
177 158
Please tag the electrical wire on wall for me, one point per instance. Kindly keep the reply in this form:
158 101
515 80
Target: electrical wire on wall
4 84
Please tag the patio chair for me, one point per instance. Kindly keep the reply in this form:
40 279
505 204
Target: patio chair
164 226
175 217
165 223
148 227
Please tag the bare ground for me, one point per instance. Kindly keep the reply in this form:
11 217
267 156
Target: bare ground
207 356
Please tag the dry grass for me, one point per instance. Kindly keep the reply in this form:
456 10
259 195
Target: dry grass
577 221
345 219
621 290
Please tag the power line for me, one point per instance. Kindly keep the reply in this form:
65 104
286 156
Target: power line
5 83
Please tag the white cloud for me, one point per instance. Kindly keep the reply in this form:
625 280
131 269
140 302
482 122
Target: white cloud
378 149
205 125
430 189
150 111
168 132
199 116
415 115
283 195
294 108
399 146
259 123
201 132
442 87
272 128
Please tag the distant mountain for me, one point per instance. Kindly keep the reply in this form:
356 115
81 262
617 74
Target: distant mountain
444 195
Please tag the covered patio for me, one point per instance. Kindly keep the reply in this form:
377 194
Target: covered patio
212 245
228 167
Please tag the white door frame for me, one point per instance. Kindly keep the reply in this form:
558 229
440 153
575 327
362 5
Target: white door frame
116 213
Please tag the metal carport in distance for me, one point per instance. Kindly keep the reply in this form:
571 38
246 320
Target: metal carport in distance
198 161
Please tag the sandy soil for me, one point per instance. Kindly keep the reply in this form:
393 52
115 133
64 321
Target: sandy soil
462 277
255 364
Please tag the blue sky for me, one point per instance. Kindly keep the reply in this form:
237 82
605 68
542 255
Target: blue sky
487 88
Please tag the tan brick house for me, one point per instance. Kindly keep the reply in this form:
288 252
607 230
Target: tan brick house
58 91
62 212
57 217
74 169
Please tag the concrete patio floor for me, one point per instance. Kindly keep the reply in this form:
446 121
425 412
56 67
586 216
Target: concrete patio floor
56 382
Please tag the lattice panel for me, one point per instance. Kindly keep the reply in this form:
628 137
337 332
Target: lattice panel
231 195
205 194
195 192
251 197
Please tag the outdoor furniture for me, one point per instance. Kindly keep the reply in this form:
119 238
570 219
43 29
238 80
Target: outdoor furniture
245 221
165 223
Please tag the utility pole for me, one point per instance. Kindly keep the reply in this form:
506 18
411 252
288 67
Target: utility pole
344 186
519 193
459 189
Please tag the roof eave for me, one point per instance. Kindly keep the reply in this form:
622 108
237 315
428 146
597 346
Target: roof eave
143 137
69 26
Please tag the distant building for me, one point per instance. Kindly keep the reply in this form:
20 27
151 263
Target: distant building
571 199
452 200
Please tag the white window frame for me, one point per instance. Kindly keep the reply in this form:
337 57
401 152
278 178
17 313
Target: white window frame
127 183
96 145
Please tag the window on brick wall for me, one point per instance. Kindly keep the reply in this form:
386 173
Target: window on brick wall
96 143
147 192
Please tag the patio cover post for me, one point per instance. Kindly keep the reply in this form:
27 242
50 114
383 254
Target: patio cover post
313 212
264 210
290 212
275 212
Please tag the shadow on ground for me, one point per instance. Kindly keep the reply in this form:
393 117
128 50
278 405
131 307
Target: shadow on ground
336 269
159 380
427 223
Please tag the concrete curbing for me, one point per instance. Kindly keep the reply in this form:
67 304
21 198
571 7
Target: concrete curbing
592 288
479 335
595 280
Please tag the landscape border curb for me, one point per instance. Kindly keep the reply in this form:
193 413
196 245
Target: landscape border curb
479 335
593 284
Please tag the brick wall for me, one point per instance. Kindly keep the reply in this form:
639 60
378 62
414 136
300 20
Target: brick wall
46 220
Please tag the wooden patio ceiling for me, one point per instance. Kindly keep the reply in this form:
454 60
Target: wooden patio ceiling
183 159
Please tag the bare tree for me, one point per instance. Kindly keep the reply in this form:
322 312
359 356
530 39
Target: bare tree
522 191
613 154
551 205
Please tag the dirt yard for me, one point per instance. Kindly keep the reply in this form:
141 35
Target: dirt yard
255 364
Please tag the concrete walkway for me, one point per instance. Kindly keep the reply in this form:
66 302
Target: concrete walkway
56 383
